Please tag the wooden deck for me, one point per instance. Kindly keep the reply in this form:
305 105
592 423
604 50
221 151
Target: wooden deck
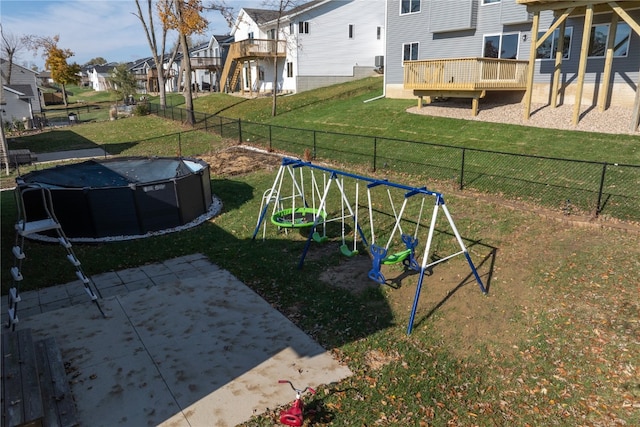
464 77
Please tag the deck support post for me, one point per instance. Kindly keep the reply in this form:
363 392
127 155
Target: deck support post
582 65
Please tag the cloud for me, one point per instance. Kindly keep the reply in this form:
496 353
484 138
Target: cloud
89 28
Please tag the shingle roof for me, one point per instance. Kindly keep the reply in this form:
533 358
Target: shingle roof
25 89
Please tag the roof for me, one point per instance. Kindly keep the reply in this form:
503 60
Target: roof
2 61
265 16
20 89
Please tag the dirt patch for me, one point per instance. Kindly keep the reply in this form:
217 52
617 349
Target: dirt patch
236 161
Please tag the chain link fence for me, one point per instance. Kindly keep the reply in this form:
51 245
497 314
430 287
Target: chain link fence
569 186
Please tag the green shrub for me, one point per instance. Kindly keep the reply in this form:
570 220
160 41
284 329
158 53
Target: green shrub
141 110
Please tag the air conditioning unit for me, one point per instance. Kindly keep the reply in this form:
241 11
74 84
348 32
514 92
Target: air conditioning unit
379 61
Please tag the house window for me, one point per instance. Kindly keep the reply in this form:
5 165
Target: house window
289 69
271 34
600 36
378 32
548 49
490 1
410 51
303 27
409 6
291 28
350 31
250 36
504 46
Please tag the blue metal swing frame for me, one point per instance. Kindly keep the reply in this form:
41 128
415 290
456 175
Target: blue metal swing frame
379 255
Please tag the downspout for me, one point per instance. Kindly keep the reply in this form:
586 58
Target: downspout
384 76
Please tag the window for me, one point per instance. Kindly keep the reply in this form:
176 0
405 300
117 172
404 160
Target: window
291 28
271 34
548 49
378 33
600 36
504 46
250 36
289 69
490 1
350 31
303 27
409 6
410 51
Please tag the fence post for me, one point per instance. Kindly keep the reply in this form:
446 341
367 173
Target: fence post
270 147
240 131
375 152
179 144
314 145
600 190
172 118
464 150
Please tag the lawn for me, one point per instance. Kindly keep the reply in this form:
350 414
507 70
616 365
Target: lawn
555 342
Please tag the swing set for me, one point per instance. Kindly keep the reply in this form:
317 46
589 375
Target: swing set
307 208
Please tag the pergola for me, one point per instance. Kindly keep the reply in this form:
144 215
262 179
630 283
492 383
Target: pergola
587 8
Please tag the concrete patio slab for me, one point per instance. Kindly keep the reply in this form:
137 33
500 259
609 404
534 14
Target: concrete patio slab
198 351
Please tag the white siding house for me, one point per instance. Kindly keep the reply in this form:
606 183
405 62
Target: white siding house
324 42
99 76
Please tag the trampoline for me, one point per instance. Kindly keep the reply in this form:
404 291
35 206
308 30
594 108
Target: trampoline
127 196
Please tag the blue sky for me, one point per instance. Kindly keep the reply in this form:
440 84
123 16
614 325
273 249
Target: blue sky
92 28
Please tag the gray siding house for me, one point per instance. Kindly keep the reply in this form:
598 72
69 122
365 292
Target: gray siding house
424 30
20 98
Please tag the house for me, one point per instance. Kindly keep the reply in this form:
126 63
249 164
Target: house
98 76
19 98
469 48
318 43
207 61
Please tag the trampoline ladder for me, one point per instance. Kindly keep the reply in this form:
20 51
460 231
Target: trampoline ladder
46 221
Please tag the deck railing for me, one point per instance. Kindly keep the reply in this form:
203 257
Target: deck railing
465 74
257 47
205 61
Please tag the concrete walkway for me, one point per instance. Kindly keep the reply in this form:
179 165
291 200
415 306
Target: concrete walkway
184 343
87 153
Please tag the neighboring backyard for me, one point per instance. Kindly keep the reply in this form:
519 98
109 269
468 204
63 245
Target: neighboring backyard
555 342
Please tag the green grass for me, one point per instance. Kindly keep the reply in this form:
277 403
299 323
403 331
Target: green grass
341 109
555 341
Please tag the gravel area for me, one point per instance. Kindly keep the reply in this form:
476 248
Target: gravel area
615 120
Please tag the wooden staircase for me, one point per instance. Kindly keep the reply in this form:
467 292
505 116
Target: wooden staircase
35 388
244 51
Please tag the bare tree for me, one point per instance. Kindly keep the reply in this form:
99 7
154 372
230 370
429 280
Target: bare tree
157 52
185 17
11 47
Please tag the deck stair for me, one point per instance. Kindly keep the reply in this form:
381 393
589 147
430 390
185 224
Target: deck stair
35 389
40 219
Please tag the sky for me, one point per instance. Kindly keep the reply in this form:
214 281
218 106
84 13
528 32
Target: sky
93 28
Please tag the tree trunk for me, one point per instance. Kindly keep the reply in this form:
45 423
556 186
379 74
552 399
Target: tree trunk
64 96
188 93
161 88
274 102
